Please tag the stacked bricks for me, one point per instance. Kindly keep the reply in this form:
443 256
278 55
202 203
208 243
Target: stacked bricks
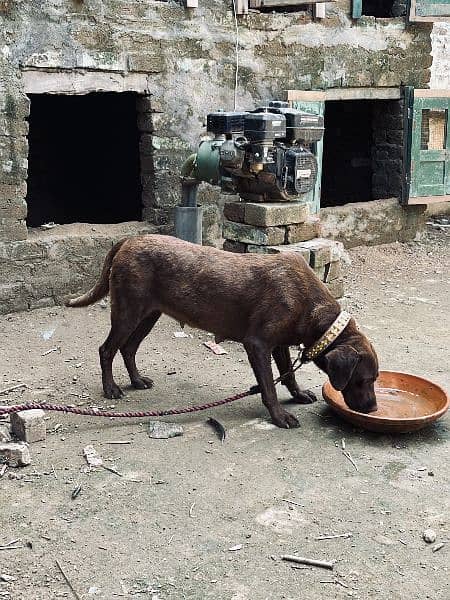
274 227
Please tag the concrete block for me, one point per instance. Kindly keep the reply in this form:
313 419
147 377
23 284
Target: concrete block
270 214
336 288
297 248
5 435
29 425
261 236
15 454
302 232
234 211
238 247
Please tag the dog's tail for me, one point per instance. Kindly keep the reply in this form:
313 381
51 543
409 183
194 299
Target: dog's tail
101 288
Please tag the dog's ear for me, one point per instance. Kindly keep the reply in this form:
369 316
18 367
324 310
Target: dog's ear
340 364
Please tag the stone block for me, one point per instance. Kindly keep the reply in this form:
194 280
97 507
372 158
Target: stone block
15 455
320 251
320 272
270 214
261 236
12 230
336 288
237 247
333 271
297 248
29 425
146 62
234 211
302 232
12 191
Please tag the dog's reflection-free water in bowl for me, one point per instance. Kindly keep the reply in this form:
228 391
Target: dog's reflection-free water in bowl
400 404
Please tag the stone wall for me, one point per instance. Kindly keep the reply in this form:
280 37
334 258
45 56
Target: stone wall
186 58
182 64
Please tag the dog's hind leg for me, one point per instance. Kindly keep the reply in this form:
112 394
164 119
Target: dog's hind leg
121 329
283 361
129 349
259 357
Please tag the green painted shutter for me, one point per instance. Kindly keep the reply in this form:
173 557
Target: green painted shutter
356 9
430 147
431 8
317 108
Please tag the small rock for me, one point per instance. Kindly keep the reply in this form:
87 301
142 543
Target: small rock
5 436
160 430
429 535
6 578
92 457
16 455
437 547
29 425
235 548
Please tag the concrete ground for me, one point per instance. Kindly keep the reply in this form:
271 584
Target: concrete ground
191 518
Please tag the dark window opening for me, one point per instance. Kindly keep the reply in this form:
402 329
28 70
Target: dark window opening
279 6
384 9
362 151
83 162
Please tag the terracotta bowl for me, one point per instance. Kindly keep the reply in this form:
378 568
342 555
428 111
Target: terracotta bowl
405 403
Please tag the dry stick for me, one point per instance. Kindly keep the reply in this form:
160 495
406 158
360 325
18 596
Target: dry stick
67 581
191 509
332 537
291 502
347 455
12 388
308 561
111 470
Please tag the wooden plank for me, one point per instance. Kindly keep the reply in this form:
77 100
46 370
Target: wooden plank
429 199
429 8
345 94
320 11
281 3
241 7
419 93
356 9
415 17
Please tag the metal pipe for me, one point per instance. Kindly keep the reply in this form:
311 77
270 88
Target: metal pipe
188 216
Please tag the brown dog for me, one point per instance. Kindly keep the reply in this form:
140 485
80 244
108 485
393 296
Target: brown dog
267 303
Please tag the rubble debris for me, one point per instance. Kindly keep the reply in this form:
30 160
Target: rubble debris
15 454
437 547
75 492
92 457
429 535
235 548
29 425
215 348
308 561
3 469
191 509
181 334
7 578
55 349
334 536
220 429
160 430
5 435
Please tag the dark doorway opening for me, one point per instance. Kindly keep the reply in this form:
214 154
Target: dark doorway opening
383 9
83 162
362 151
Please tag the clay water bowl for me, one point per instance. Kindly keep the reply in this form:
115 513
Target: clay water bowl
405 403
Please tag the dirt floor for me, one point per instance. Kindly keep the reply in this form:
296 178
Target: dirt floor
191 518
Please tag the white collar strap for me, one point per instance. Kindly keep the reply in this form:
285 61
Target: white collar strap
330 335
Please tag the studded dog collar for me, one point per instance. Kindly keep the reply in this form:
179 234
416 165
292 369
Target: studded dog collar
330 335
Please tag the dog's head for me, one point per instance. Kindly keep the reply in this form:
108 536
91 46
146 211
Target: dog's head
352 367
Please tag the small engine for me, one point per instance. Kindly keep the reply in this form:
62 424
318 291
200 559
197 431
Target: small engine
261 155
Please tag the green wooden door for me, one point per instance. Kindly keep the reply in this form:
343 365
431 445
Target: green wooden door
316 108
430 147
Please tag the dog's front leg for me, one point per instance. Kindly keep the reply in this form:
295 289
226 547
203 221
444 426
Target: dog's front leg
259 357
283 361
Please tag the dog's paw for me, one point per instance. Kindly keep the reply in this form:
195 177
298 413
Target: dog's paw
285 420
142 383
113 392
304 397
